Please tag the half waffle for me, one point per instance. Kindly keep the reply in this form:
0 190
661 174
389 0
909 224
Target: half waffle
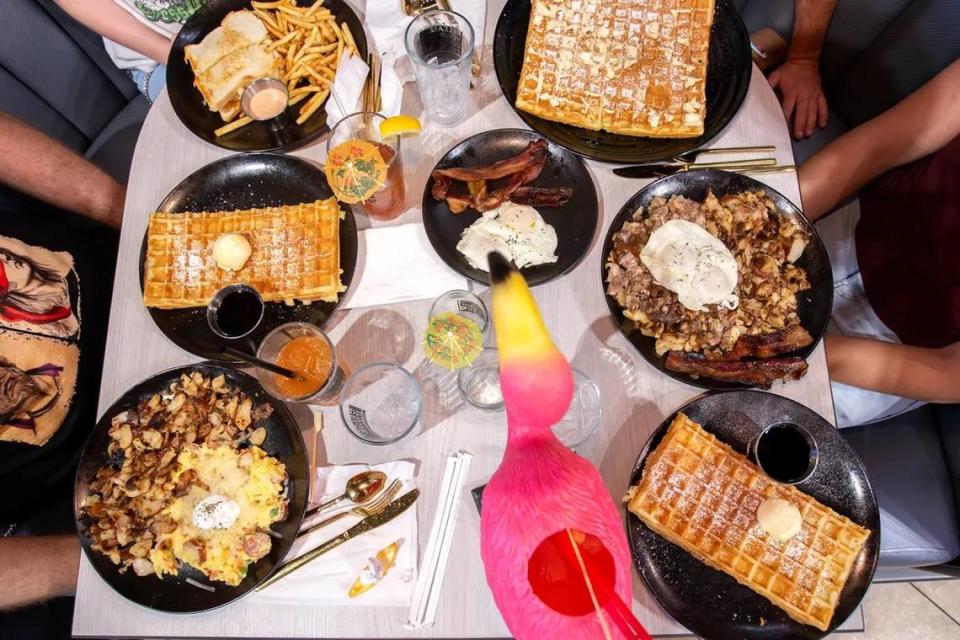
634 67
295 254
702 495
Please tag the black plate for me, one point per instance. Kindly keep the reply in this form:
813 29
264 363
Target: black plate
575 222
813 305
242 182
713 605
174 593
256 136
729 68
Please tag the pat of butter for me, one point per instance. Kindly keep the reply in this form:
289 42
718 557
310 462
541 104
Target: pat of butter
231 251
781 519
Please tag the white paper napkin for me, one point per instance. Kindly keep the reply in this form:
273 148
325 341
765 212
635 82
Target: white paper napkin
327 579
400 265
347 88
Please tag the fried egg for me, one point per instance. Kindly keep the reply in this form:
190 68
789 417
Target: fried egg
516 231
687 259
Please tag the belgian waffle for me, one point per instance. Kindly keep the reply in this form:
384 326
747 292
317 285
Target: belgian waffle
634 67
702 495
295 254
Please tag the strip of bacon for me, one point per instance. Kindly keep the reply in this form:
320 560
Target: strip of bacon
769 345
441 186
535 151
761 373
542 196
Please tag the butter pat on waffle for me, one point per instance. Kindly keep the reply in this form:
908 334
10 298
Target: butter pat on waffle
702 495
295 254
633 67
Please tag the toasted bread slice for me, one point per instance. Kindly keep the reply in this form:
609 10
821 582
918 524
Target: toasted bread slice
223 82
238 30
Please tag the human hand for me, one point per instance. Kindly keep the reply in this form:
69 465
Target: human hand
802 95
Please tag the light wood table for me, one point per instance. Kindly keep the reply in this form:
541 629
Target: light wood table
636 397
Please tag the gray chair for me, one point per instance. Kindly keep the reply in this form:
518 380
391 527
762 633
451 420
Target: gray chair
56 75
876 52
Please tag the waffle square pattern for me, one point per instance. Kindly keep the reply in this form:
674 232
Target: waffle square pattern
702 495
295 254
633 67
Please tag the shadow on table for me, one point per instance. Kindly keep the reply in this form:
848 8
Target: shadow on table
441 397
379 335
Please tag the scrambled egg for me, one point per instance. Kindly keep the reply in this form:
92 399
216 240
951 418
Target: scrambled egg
250 483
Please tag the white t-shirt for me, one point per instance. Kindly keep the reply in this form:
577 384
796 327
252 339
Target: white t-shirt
163 16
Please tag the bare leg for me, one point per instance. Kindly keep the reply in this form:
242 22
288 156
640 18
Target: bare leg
37 568
38 165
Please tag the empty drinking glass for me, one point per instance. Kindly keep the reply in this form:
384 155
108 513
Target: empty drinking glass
380 403
440 44
585 414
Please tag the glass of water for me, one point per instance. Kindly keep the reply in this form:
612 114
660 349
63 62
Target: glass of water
380 403
440 44
585 414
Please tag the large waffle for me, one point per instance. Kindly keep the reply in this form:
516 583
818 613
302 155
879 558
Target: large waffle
296 254
635 67
703 496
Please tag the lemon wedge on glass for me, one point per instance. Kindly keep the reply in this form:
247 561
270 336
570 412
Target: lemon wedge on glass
399 126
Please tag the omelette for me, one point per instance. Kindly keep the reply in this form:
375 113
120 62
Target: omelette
231 498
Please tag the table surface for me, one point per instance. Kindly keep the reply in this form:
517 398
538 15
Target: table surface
637 398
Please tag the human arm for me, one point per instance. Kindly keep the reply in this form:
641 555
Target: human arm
40 166
798 78
37 568
917 126
911 372
114 23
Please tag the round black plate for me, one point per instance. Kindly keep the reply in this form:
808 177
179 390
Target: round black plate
256 136
575 222
813 305
713 605
174 593
243 182
729 68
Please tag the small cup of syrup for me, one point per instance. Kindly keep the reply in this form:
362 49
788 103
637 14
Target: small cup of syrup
264 99
235 311
785 452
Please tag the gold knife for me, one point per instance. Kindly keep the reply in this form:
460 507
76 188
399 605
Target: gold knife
394 509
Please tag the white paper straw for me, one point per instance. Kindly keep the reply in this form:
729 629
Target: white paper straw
426 593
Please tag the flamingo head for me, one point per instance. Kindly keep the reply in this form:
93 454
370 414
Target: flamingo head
535 378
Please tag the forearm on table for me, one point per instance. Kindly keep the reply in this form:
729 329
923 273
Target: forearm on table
38 165
917 126
114 23
911 372
811 19
37 568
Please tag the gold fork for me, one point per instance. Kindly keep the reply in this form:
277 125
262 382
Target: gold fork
372 508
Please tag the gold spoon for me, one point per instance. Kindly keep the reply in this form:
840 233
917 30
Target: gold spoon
360 488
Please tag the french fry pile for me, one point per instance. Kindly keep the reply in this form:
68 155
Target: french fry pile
310 42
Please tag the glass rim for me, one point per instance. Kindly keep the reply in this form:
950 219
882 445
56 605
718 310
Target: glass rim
492 408
466 293
419 59
387 365
263 372
392 141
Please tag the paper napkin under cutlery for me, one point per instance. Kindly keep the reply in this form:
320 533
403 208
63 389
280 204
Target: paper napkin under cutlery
327 579
399 266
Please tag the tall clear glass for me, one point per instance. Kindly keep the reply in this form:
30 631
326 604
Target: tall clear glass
440 44
387 203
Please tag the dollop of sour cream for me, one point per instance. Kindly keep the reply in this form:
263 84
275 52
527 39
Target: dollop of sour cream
690 261
215 512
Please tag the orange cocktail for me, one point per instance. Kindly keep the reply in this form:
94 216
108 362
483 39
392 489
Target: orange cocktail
309 354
